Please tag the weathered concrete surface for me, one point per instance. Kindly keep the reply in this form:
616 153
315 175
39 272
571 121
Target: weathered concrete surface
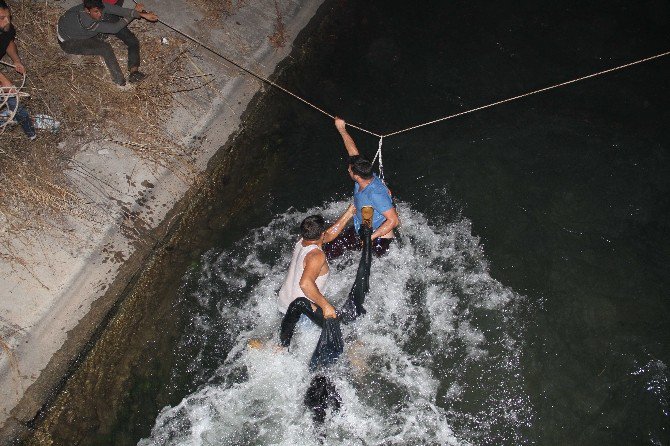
47 304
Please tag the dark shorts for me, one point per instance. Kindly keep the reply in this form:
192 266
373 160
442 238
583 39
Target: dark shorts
348 240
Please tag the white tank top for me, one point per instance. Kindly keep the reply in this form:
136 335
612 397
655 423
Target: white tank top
291 290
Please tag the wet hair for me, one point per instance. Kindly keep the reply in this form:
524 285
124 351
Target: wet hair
312 227
361 166
320 396
88 4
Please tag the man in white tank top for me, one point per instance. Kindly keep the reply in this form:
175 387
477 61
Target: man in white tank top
308 272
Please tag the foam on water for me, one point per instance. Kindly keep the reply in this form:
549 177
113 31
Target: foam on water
434 361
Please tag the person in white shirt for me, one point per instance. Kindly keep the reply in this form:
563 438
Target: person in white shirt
302 291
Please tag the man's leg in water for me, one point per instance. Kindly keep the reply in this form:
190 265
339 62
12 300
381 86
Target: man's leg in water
298 307
348 240
380 246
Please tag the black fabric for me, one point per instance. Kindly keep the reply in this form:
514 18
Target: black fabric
353 307
5 39
320 396
297 308
330 345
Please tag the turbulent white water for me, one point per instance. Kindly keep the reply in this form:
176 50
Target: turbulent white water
434 361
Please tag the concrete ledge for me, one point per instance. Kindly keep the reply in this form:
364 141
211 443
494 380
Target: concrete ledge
52 308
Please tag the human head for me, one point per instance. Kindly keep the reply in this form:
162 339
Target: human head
360 166
312 227
5 17
94 8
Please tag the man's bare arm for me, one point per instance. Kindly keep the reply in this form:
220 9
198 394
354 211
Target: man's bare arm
349 143
13 53
337 227
392 220
314 261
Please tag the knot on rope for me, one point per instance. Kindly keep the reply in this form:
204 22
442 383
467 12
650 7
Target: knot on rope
381 163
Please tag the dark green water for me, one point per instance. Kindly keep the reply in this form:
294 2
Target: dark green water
568 191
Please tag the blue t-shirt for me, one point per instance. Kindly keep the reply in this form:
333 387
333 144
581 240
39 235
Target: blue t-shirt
375 194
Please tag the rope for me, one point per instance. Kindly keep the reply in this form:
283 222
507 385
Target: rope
381 163
382 136
529 94
10 92
258 76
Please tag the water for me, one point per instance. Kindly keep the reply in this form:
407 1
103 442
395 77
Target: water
528 303
436 360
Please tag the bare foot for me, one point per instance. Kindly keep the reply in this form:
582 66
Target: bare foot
255 344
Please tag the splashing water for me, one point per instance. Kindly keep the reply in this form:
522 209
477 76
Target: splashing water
434 361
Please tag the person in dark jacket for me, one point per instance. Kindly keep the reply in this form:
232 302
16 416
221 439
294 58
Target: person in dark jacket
7 88
111 17
82 28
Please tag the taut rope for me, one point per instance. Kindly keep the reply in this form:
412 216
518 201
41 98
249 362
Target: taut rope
386 135
528 94
258 76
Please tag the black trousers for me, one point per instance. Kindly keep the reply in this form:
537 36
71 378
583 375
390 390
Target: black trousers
298 307
98 47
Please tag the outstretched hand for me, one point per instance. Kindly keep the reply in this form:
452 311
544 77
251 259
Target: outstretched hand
340 124
18 66
149 16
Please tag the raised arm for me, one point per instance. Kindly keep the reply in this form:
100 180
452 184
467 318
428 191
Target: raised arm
349 143
127 15
314 261
337 227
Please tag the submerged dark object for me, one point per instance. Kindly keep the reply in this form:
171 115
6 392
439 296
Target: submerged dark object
320 396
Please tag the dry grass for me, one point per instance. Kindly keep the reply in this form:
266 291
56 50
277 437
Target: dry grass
278 37
77 90
216 9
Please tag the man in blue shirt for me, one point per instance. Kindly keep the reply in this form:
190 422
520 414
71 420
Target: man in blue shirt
369 190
